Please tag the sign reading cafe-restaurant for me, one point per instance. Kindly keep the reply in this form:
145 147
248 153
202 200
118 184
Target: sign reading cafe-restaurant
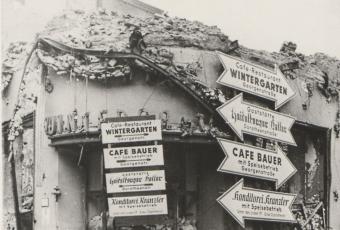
131 131
125 159
246 160
254 79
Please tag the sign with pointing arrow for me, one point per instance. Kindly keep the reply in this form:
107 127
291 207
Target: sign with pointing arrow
255 79
135 181
244 117
255 204
251 161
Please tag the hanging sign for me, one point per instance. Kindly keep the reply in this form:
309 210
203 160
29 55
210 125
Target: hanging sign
131 131
255 79
251 161
255 204
137 156
135 181
243 117
138 205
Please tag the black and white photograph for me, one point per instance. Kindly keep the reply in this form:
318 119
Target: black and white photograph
170 115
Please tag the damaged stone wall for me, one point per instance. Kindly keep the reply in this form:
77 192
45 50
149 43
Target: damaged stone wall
24 168
110 32
12 60
309 181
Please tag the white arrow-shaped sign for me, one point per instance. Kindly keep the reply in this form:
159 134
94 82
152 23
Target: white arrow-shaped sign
243 117
251 161
255 79
254 204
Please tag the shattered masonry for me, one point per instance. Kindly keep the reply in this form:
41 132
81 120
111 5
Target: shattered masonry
110 31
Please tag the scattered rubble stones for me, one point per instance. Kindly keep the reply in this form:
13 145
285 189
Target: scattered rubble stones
14 55
110 31
113 30
288 47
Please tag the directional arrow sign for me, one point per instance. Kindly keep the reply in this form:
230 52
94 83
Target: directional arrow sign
255 79
243 117
246 160
254 204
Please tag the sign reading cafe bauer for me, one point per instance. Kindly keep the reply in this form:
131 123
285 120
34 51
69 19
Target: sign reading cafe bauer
133 156
131 131
254 79
251 161
243 117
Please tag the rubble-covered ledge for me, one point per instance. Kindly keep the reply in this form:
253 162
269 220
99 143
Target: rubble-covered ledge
93 137
169 136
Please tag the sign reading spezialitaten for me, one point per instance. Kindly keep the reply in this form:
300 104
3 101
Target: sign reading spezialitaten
138 205
243 117
136 156
255 204
255 79
135 181
131 131
251 161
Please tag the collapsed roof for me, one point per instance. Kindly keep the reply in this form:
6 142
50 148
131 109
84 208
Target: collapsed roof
107 32
103 30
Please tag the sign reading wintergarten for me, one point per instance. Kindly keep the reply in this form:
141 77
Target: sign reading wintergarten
255 79
136 156
255 204
135 181
131 131
243 117
138 205
251 161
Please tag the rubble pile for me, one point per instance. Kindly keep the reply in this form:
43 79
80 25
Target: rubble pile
27 98
312 69
110 32
104 30
107 32
88 66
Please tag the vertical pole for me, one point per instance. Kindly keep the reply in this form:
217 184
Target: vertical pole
106 94
15 190
86 91
104 220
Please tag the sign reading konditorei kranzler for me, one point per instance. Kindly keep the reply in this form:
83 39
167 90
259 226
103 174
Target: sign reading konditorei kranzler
131 131
148 182
138 205
134 156
255 204
244 117
135 181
